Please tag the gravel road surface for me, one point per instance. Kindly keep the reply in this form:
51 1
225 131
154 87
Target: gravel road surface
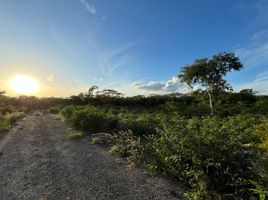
37 162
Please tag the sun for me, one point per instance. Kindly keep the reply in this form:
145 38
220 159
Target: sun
23 84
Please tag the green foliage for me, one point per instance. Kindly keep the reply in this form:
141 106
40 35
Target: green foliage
211 155
217 157
15 116
8 119
89 119
55 109
123 143
102 138
210 72
67 111
261 134
258 190
4 124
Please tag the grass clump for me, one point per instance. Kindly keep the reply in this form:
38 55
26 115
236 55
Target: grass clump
124 144
8 119
4 124
75 135
55 109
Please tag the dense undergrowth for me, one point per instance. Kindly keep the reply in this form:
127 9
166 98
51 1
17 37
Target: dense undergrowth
218 157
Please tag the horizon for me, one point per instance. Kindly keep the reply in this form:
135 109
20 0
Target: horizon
137 48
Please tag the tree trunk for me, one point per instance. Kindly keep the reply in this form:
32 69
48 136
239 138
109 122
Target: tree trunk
210 104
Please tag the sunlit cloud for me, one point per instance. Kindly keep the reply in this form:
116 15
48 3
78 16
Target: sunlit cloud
90 8
170 86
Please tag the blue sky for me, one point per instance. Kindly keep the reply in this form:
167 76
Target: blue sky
136 47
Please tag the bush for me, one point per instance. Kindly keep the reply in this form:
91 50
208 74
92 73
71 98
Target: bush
15 116
55 109
140 127
4 124
261 132
67 111
92 121
123 143
7 120
209 154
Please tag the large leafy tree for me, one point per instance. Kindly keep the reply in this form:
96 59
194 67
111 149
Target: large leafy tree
210 73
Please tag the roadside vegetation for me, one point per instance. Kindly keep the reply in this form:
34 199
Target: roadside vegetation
14 108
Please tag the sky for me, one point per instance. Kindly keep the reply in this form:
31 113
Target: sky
135 47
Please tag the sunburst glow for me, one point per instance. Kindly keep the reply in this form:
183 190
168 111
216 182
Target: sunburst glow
23 84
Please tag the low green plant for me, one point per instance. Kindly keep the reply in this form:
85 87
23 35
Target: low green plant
75 135
68 111
15 116
124 144
258 190
101 138
55 109
4 124
8 119
92 121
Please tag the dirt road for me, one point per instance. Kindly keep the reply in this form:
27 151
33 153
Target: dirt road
38 163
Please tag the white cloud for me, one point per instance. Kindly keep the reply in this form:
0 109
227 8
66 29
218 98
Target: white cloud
255 53
172 85
260 84
90 8
112 59
259 35
50 77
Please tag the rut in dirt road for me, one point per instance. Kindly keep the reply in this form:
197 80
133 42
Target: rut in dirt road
38 163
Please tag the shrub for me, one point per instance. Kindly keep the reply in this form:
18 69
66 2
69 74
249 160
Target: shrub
261 133
4 124
67 111
209 154
102 138
92 121
123 143
140 127
7 120
15 116
55 109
